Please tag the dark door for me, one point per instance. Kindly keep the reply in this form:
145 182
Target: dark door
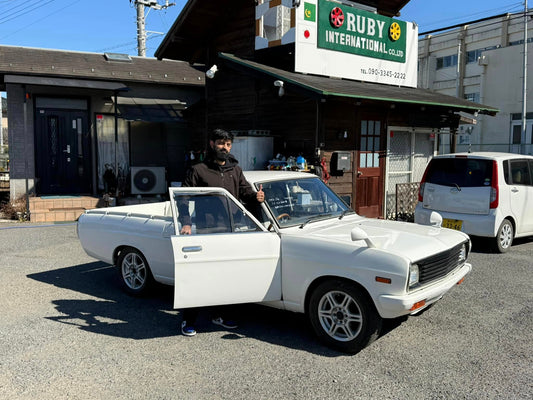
369 183
62 152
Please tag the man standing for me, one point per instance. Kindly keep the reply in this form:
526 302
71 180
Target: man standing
219 169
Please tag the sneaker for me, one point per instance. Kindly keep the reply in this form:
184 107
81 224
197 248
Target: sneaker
187 330
226 324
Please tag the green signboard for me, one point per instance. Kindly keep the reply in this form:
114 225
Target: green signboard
351 30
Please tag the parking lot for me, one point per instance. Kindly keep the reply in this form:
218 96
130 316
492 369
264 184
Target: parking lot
68 332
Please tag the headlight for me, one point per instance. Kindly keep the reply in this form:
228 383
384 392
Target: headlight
413 275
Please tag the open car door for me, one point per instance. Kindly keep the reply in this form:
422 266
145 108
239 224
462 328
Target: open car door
228 258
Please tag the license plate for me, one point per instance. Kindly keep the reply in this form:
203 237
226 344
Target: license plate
452 223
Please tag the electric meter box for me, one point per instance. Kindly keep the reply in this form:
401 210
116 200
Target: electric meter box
341 161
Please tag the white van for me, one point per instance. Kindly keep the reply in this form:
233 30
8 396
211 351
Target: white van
481 194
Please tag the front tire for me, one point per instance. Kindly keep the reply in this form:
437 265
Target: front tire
134 272
504 238
343 316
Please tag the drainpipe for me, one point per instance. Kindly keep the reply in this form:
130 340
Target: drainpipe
116 144
524 87
26 169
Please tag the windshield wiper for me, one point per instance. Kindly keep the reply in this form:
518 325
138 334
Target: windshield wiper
347 211
315 217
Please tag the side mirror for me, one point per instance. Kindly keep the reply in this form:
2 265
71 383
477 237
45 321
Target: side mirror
359 234
435 219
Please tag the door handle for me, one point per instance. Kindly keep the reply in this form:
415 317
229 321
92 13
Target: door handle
515 190
359 173
191 249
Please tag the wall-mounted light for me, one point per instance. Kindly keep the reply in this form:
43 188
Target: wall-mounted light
343 135
210 73
279 84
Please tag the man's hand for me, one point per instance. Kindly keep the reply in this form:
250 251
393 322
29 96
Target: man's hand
260 194
185 230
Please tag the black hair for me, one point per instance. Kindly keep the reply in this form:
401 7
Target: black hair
222 135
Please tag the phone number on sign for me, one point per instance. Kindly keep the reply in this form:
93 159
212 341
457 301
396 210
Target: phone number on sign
383 72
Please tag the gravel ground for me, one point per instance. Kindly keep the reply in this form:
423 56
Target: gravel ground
68 332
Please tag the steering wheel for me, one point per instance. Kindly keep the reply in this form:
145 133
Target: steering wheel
283 217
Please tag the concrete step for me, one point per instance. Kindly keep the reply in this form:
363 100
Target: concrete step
61 208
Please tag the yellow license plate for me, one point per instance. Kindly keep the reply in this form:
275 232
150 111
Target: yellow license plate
452 223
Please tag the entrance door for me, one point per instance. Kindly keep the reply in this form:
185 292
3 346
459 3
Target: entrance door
62 152
369 189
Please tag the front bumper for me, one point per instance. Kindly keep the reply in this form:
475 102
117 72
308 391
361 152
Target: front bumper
391 306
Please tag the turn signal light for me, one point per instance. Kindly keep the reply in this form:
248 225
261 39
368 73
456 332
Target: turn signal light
383 280
418 304
461 281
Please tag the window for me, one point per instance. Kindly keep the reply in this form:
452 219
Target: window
520 172
370 144
461 172
473 97
210 213
473 55
517 134
521 41
447 61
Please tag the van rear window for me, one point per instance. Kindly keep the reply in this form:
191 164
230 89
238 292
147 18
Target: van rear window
462 172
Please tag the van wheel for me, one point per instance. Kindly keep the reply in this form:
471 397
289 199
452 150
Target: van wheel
134 271
504 237
343 317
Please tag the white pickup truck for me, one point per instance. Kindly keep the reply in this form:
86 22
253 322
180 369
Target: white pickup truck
307 252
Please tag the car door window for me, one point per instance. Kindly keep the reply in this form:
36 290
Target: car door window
520 173
211 213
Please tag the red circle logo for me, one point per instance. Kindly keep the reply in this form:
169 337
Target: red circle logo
307 34
336 17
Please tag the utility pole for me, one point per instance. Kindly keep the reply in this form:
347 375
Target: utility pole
1 126
141 31
524 87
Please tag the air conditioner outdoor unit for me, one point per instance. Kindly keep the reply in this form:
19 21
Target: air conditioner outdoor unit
148 180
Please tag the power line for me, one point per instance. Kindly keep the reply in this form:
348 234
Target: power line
509 8
453 32
6 18
40 19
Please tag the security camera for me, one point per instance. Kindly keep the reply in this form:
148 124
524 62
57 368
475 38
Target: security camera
279 84
210 73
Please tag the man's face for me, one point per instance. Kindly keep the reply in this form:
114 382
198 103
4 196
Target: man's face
222 148
222 145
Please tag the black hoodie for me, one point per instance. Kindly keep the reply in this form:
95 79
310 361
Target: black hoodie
228 176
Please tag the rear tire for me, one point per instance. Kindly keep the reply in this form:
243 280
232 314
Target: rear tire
134 272
504 238
343 316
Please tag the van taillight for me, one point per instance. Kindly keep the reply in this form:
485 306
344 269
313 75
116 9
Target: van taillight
422 184
494 195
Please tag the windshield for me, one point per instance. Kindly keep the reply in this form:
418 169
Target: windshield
301 201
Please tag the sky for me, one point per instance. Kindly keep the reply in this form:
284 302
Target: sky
110 25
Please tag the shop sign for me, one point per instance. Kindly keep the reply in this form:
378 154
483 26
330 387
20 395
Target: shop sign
334 39
351 30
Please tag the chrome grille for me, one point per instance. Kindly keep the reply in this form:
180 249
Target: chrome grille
439 265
